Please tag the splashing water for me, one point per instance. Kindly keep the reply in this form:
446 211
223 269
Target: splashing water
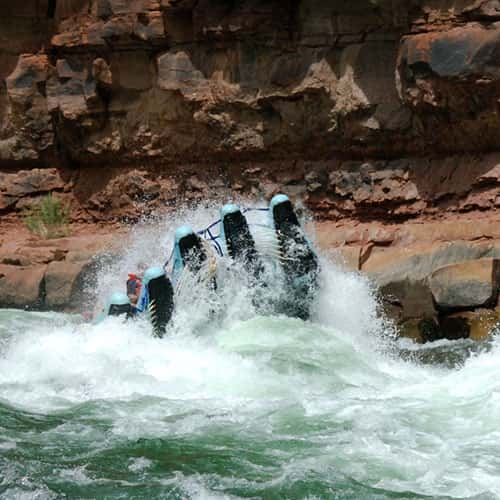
241 405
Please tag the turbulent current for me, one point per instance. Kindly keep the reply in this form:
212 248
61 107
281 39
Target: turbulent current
243 405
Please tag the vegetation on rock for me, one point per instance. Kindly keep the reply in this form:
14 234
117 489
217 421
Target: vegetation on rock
49 218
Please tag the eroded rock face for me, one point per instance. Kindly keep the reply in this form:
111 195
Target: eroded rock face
174 88
15 187
455 74
179 81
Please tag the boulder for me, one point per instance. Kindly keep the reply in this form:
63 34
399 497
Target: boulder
410 330
484 324
481 323
478 325
413 298
418 262
62 280
466 284
22 286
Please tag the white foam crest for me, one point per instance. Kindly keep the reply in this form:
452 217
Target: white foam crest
114 360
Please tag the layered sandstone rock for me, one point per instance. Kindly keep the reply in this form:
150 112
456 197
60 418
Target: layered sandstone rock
381 116
180 81
172 89
16 188
55 274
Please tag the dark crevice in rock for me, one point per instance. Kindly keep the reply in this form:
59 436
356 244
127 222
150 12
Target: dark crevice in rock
42 293
51 8
453 328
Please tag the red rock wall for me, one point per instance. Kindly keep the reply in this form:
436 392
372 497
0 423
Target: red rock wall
372 104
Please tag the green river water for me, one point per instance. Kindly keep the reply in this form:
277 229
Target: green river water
246 407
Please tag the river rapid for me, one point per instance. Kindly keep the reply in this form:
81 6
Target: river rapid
243 405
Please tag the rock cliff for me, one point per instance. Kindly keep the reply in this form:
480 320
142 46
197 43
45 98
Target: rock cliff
176 86
375 112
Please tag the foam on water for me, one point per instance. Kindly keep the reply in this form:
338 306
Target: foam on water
240 405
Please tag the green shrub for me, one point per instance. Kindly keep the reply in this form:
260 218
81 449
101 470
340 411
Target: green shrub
49 218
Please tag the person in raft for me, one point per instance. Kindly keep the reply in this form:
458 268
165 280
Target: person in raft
134 284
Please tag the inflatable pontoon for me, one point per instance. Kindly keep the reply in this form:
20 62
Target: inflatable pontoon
196 253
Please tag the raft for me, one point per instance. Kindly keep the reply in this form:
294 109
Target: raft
197 253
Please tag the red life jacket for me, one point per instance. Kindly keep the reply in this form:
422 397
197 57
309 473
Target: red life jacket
134 284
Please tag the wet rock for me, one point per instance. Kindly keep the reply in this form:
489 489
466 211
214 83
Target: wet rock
454 327
468 284
478 325
417 287
420 330
481 323
414 298
448 356
410 330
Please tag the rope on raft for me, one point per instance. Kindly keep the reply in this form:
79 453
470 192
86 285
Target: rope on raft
208 235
